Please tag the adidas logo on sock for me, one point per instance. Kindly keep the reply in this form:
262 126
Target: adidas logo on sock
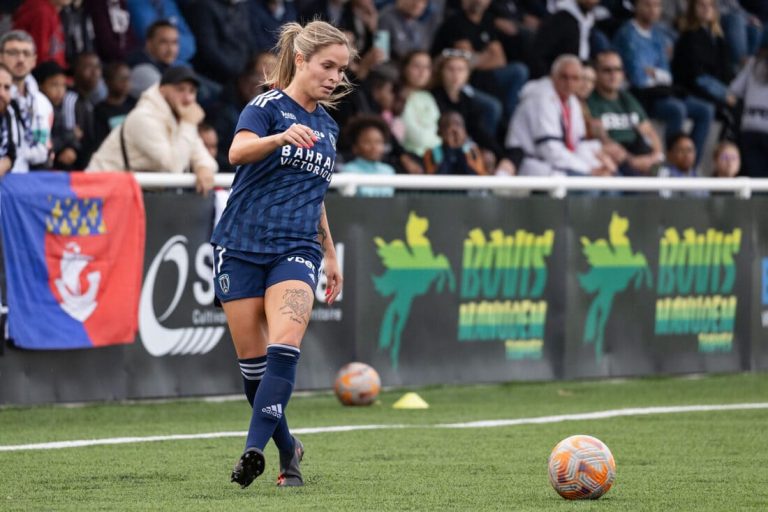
274 410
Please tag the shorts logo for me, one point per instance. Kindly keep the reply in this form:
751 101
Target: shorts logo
224 283
312 276
303 261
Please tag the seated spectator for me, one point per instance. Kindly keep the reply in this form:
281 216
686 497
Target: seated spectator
569 31
741 29
79 103
452 75
114 38
266 18
409 28
457 154
583 92
420 111
8 134
623 119
222 27
548 127
17 52
211 142
727 160
681 158
160 134
702 63
40 19
144 14
472 30
66 137
369 137
643 49
160 52
751 86
112 111
681 163
78 29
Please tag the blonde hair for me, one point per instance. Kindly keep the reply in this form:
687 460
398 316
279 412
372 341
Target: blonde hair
690 22
307 41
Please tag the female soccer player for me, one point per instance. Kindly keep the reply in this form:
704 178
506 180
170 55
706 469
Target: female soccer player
274 232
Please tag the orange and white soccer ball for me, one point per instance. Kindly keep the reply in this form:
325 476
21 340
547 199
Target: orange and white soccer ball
357 384
581 467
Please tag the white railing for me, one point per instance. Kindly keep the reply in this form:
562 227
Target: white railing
555 186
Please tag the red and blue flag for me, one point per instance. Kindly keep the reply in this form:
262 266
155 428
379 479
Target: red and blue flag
74 249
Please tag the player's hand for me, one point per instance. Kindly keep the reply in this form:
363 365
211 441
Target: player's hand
203 180
299 135
333 279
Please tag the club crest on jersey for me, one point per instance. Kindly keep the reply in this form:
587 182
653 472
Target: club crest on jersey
332 139
224 283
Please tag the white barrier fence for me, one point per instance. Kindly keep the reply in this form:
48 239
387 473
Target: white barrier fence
555 186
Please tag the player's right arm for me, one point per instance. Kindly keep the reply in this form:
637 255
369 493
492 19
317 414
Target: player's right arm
248 146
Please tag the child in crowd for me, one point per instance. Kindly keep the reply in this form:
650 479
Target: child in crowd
65 135
369 136
112 111
681 158
681 163
727 160
457 154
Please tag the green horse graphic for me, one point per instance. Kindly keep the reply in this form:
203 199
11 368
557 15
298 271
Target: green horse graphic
412 268
613 266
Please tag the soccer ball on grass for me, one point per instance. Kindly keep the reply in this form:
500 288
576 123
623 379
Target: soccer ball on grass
581 467
357 384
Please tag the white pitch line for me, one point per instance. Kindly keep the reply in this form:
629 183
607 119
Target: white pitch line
613 413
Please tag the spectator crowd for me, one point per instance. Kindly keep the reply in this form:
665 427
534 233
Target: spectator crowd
674 88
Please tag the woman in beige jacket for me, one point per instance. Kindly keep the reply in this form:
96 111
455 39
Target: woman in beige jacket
160 134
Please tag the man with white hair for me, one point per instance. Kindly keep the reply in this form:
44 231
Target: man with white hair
548 127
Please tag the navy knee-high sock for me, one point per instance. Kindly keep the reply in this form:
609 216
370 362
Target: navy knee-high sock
252 370
273 394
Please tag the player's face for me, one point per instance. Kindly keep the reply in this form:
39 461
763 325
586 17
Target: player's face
324 71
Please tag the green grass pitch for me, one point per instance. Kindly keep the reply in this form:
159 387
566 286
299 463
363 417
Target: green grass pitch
698 461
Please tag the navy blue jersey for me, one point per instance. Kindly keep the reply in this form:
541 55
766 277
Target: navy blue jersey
275 203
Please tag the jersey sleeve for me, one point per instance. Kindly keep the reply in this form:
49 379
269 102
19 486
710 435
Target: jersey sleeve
256 119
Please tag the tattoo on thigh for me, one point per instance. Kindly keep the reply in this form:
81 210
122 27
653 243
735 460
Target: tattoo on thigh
296 305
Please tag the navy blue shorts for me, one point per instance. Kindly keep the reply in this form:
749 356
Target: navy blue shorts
240 275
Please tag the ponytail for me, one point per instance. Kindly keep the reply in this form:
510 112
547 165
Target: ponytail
285 69
307 40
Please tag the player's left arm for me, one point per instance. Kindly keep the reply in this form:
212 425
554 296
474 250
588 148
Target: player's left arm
331 264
